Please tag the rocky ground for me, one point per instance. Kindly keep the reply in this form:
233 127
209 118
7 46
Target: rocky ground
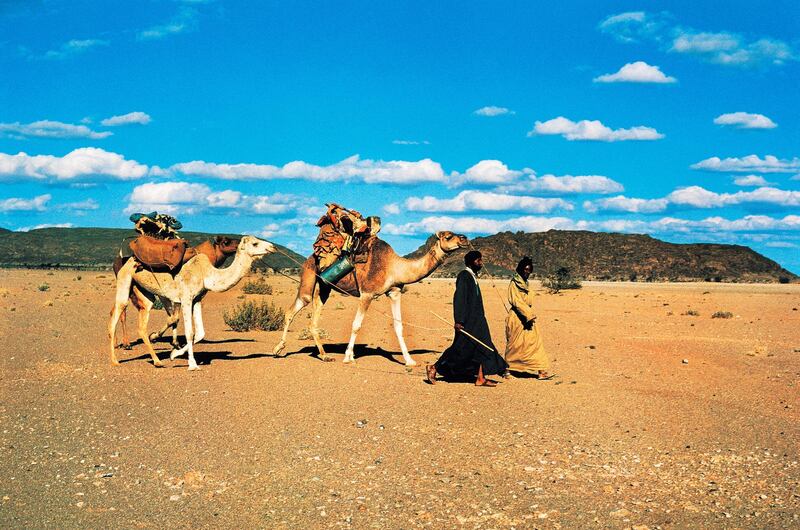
661 417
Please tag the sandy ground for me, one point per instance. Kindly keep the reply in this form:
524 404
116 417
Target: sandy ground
629 435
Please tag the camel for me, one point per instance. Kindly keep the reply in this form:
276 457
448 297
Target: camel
196 277
383 273
217 251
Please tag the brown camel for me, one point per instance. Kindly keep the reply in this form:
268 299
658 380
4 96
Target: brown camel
383 273
196 277
217 252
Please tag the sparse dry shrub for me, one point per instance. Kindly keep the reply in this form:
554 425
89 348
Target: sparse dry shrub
259 286
261 316
306 334
691 313
722 314
559 280
44 287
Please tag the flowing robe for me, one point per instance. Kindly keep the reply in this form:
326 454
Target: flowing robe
524 348
460 362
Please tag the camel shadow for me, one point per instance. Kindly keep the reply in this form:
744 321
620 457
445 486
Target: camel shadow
202 357
181 340
359 351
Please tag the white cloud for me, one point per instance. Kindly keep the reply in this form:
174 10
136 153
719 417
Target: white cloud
184 21
731 49
88 204
391 209
479 225
592 130
751 180
745 120
621 203
699 197
634 26
492 111
74 47
411 142
270 230
45 225
83 163
348 170
14 204
638 72
564 184
126 119
49 129
484 201
781 244
750 163
185 197
487 172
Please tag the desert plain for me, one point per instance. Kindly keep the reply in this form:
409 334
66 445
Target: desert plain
661 416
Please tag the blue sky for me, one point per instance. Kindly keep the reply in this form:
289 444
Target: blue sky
677 119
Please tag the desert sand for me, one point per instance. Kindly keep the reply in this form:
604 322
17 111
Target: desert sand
658 418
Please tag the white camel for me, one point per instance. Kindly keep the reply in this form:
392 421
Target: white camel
187 288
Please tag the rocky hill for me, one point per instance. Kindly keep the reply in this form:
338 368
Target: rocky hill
93 248
619 257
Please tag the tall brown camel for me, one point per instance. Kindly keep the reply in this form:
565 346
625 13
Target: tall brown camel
383 273
217 252
196 277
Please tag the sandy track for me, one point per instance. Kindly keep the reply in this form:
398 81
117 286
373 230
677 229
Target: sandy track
627 436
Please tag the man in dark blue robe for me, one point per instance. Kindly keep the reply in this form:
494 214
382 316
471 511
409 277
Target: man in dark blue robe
466 359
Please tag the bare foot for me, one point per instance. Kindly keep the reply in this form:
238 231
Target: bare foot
430 374
486 382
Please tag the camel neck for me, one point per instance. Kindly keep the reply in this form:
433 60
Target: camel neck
223 279
417 269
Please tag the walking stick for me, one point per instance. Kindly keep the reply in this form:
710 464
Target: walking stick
464 332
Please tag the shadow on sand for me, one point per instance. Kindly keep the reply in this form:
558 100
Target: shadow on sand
359 350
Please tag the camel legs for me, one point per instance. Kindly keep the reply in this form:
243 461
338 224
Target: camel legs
317 303
124 280
144 317
299 303
363 306
397 317
186 310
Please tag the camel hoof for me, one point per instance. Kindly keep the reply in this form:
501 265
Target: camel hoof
327 359
175 353
114 362
194 368
411 363
349 361
278 348
158 364
153 337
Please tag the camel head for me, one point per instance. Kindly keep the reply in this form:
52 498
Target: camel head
226 245
254 247
449 242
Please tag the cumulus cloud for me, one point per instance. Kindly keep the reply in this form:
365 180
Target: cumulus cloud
750 163
699 197
751 180
592 130
74 47
492 111
487 172
351 169
192 198
14 204
49 129
566 184
80 164
391 209
485 201
621 203
638 72
140 118
634 26
183 22
745 120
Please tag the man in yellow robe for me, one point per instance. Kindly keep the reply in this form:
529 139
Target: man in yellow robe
524 347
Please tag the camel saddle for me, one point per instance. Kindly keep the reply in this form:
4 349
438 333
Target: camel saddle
159 254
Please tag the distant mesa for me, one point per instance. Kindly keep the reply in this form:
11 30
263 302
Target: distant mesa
620 257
